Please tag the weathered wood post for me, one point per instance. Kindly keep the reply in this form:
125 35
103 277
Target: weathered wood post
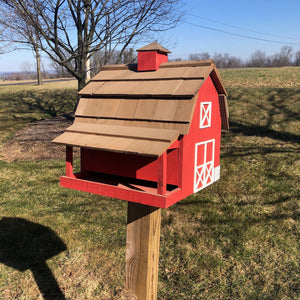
142 251
142 244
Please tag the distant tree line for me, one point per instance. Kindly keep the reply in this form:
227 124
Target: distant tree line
259 59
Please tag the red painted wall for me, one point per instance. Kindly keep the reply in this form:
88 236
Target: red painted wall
151 60
129 165
207 93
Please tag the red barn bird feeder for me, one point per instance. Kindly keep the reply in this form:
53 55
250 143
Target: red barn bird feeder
149 133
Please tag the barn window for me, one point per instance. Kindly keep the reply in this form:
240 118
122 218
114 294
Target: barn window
205 114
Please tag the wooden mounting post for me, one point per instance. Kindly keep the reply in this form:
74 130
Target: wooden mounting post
142 251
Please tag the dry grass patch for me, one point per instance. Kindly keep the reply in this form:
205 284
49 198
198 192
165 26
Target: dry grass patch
286 77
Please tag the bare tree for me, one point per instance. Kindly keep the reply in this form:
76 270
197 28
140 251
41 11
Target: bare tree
258 59
128 56
59 70
5 46
297 58
198 56
1 38
18 29
71 31
100 58
25 68
284 57
221 60
227 61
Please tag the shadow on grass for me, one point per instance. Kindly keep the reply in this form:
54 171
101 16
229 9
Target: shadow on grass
239 151
50 103
272 106
264 131
26 245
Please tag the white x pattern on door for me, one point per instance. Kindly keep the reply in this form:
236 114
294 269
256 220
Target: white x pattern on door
204 164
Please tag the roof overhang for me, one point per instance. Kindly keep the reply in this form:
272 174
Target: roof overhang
125 139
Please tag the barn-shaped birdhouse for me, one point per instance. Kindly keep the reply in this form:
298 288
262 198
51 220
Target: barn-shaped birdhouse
148 132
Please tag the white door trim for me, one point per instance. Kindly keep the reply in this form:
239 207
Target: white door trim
204 173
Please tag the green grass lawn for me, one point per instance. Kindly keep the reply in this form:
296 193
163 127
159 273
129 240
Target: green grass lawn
237 239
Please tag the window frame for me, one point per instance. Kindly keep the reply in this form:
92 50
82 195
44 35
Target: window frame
205 114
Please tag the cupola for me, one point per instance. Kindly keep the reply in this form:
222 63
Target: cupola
151 56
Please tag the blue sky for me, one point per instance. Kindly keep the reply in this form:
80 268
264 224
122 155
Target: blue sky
278 20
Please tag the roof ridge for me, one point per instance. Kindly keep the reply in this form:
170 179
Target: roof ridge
181 77
188 63
169 64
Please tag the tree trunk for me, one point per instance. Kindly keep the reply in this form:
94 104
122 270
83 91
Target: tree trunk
83 65
88 70
81 58
81 82
38 66
38 70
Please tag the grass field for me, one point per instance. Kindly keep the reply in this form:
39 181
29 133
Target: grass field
237 239
23 104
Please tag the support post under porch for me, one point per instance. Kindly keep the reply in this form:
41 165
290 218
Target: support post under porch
162 174
69 162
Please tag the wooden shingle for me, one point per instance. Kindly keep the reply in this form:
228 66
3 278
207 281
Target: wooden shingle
127 108
97 107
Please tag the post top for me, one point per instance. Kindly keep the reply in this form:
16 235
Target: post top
155 46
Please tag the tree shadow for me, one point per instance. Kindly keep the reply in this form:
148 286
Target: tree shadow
239 151
263 131
23 104
26 245
50 103
277 105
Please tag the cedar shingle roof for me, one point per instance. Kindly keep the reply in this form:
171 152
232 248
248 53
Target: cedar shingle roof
139 112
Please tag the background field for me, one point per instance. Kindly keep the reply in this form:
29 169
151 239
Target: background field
237 239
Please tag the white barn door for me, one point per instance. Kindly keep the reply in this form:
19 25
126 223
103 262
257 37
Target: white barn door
204 164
